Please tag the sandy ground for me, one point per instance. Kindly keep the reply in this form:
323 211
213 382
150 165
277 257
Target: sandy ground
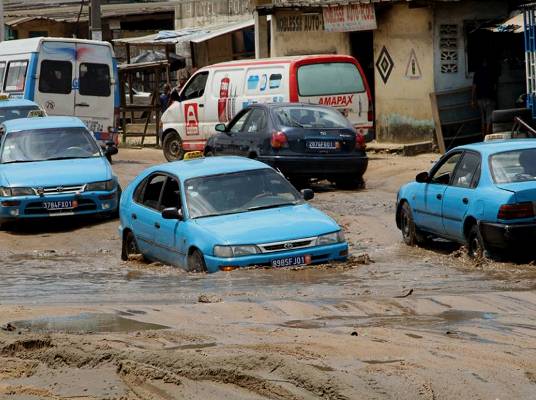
393 323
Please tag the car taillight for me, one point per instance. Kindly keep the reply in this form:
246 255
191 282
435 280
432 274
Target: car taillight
279 139
360 142
516 211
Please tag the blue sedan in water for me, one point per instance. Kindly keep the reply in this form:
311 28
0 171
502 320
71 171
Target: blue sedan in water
222 213
53 166
482 195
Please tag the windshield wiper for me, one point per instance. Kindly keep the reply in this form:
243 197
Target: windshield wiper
62 158
272 206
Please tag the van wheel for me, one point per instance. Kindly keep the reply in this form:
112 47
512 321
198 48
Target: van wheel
172 147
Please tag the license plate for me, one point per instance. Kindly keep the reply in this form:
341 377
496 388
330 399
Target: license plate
291 261
322 145
60 205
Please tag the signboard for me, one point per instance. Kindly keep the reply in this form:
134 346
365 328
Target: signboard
293 22
350 17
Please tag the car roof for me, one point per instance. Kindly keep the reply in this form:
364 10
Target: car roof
499 146
199 167
285 104
17 103
22 124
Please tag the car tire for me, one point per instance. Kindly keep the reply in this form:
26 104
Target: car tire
475 243
196 262
129 246
350 183
209 153
300 183
172 147
410 233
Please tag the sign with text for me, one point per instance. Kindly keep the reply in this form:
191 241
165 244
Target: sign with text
351 17
299 22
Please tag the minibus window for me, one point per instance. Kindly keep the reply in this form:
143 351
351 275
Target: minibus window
2 71
95 80
55 77
196 87
329 79
16 76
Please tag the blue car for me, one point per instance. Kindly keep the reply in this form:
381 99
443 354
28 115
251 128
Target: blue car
53 166
481 195
223 213
16 108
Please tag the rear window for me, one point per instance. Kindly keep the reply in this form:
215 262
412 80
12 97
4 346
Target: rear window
310 117
514 166
329 79
95 80
56 77
16 76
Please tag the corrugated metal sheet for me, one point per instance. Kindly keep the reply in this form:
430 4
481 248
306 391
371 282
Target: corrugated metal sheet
327 3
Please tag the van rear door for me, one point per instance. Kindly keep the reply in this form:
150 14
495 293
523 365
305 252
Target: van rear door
54 87
94 100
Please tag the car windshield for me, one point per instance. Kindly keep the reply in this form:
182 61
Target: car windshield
310 117
238 192
514 166
7 113
49 144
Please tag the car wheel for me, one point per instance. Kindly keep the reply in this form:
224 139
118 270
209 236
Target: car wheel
196 262
475 244
350 183
129 247
410 233
209 153
172 147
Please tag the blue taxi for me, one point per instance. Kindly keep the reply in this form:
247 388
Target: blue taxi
223 213
16 108
482 195
53 166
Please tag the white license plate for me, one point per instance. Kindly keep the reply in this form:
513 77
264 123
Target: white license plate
322 145
291 261
59 205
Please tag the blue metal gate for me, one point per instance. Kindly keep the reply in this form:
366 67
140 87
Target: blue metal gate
529 18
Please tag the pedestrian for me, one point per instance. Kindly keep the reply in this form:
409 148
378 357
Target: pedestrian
485 94
173 96
164 97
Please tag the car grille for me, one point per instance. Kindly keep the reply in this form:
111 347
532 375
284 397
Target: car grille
287 245
37 208
58 190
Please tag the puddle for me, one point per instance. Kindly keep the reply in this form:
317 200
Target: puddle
84 323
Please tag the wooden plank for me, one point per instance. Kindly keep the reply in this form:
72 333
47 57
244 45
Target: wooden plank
437 123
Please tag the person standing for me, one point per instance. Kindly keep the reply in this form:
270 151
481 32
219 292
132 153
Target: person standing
485 94
164 97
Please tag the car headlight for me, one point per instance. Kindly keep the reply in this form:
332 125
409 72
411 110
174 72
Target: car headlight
104 186
330 238
235 251
16 191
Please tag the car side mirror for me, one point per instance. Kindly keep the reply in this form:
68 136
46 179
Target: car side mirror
110 150
172 213
422 177
221 128
307 194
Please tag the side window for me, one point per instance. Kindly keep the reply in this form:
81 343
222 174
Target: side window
171 197
138 192
16 76
196 87
94 80
239 123
466 171
55 77
443 174
2 72
256 121
151 195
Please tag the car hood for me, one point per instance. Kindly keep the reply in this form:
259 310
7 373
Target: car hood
524 191
272 225
55 173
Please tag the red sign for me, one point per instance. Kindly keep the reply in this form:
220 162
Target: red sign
191 117
349 17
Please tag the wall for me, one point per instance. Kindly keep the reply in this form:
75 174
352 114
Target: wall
57 29
294 33
194 13
403 110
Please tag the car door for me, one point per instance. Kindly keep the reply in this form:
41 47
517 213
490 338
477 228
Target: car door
192 99
459 194
429 200
225 143
169 236
249 135
145 215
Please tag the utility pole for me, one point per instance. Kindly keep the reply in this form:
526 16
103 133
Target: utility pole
2 26
95 20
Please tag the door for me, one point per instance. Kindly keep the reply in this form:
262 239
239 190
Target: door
145 214
251 133
460 193
192 99
169 237
226 144
429 201
94 100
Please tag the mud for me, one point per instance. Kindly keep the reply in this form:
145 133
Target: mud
393 322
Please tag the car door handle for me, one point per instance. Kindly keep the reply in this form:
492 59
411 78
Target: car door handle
439 197
201 105
82 105
465 200
134 216
157 225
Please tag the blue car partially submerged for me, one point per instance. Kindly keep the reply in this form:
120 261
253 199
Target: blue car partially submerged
482 195
53 166
223 213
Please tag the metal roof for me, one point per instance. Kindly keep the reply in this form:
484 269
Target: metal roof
327 3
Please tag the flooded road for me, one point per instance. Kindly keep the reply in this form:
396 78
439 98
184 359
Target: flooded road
393 322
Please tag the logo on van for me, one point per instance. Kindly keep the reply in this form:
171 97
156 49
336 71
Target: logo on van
191 116
50 105
337 100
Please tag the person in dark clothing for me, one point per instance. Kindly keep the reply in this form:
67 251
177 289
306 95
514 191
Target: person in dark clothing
174 96
164 97
485 94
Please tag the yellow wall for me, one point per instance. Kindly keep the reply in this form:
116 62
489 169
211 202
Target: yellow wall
53 29
403 110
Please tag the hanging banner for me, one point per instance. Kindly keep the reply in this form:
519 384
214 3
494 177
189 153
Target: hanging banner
351 17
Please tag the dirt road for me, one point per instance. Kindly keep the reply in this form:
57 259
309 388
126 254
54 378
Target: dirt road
402 323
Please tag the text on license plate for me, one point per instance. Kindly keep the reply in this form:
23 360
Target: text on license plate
291 261
322 144
60 205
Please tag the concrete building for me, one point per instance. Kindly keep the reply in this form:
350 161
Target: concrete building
408 49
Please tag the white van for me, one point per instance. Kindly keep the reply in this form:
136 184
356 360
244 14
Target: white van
70 77
216 93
